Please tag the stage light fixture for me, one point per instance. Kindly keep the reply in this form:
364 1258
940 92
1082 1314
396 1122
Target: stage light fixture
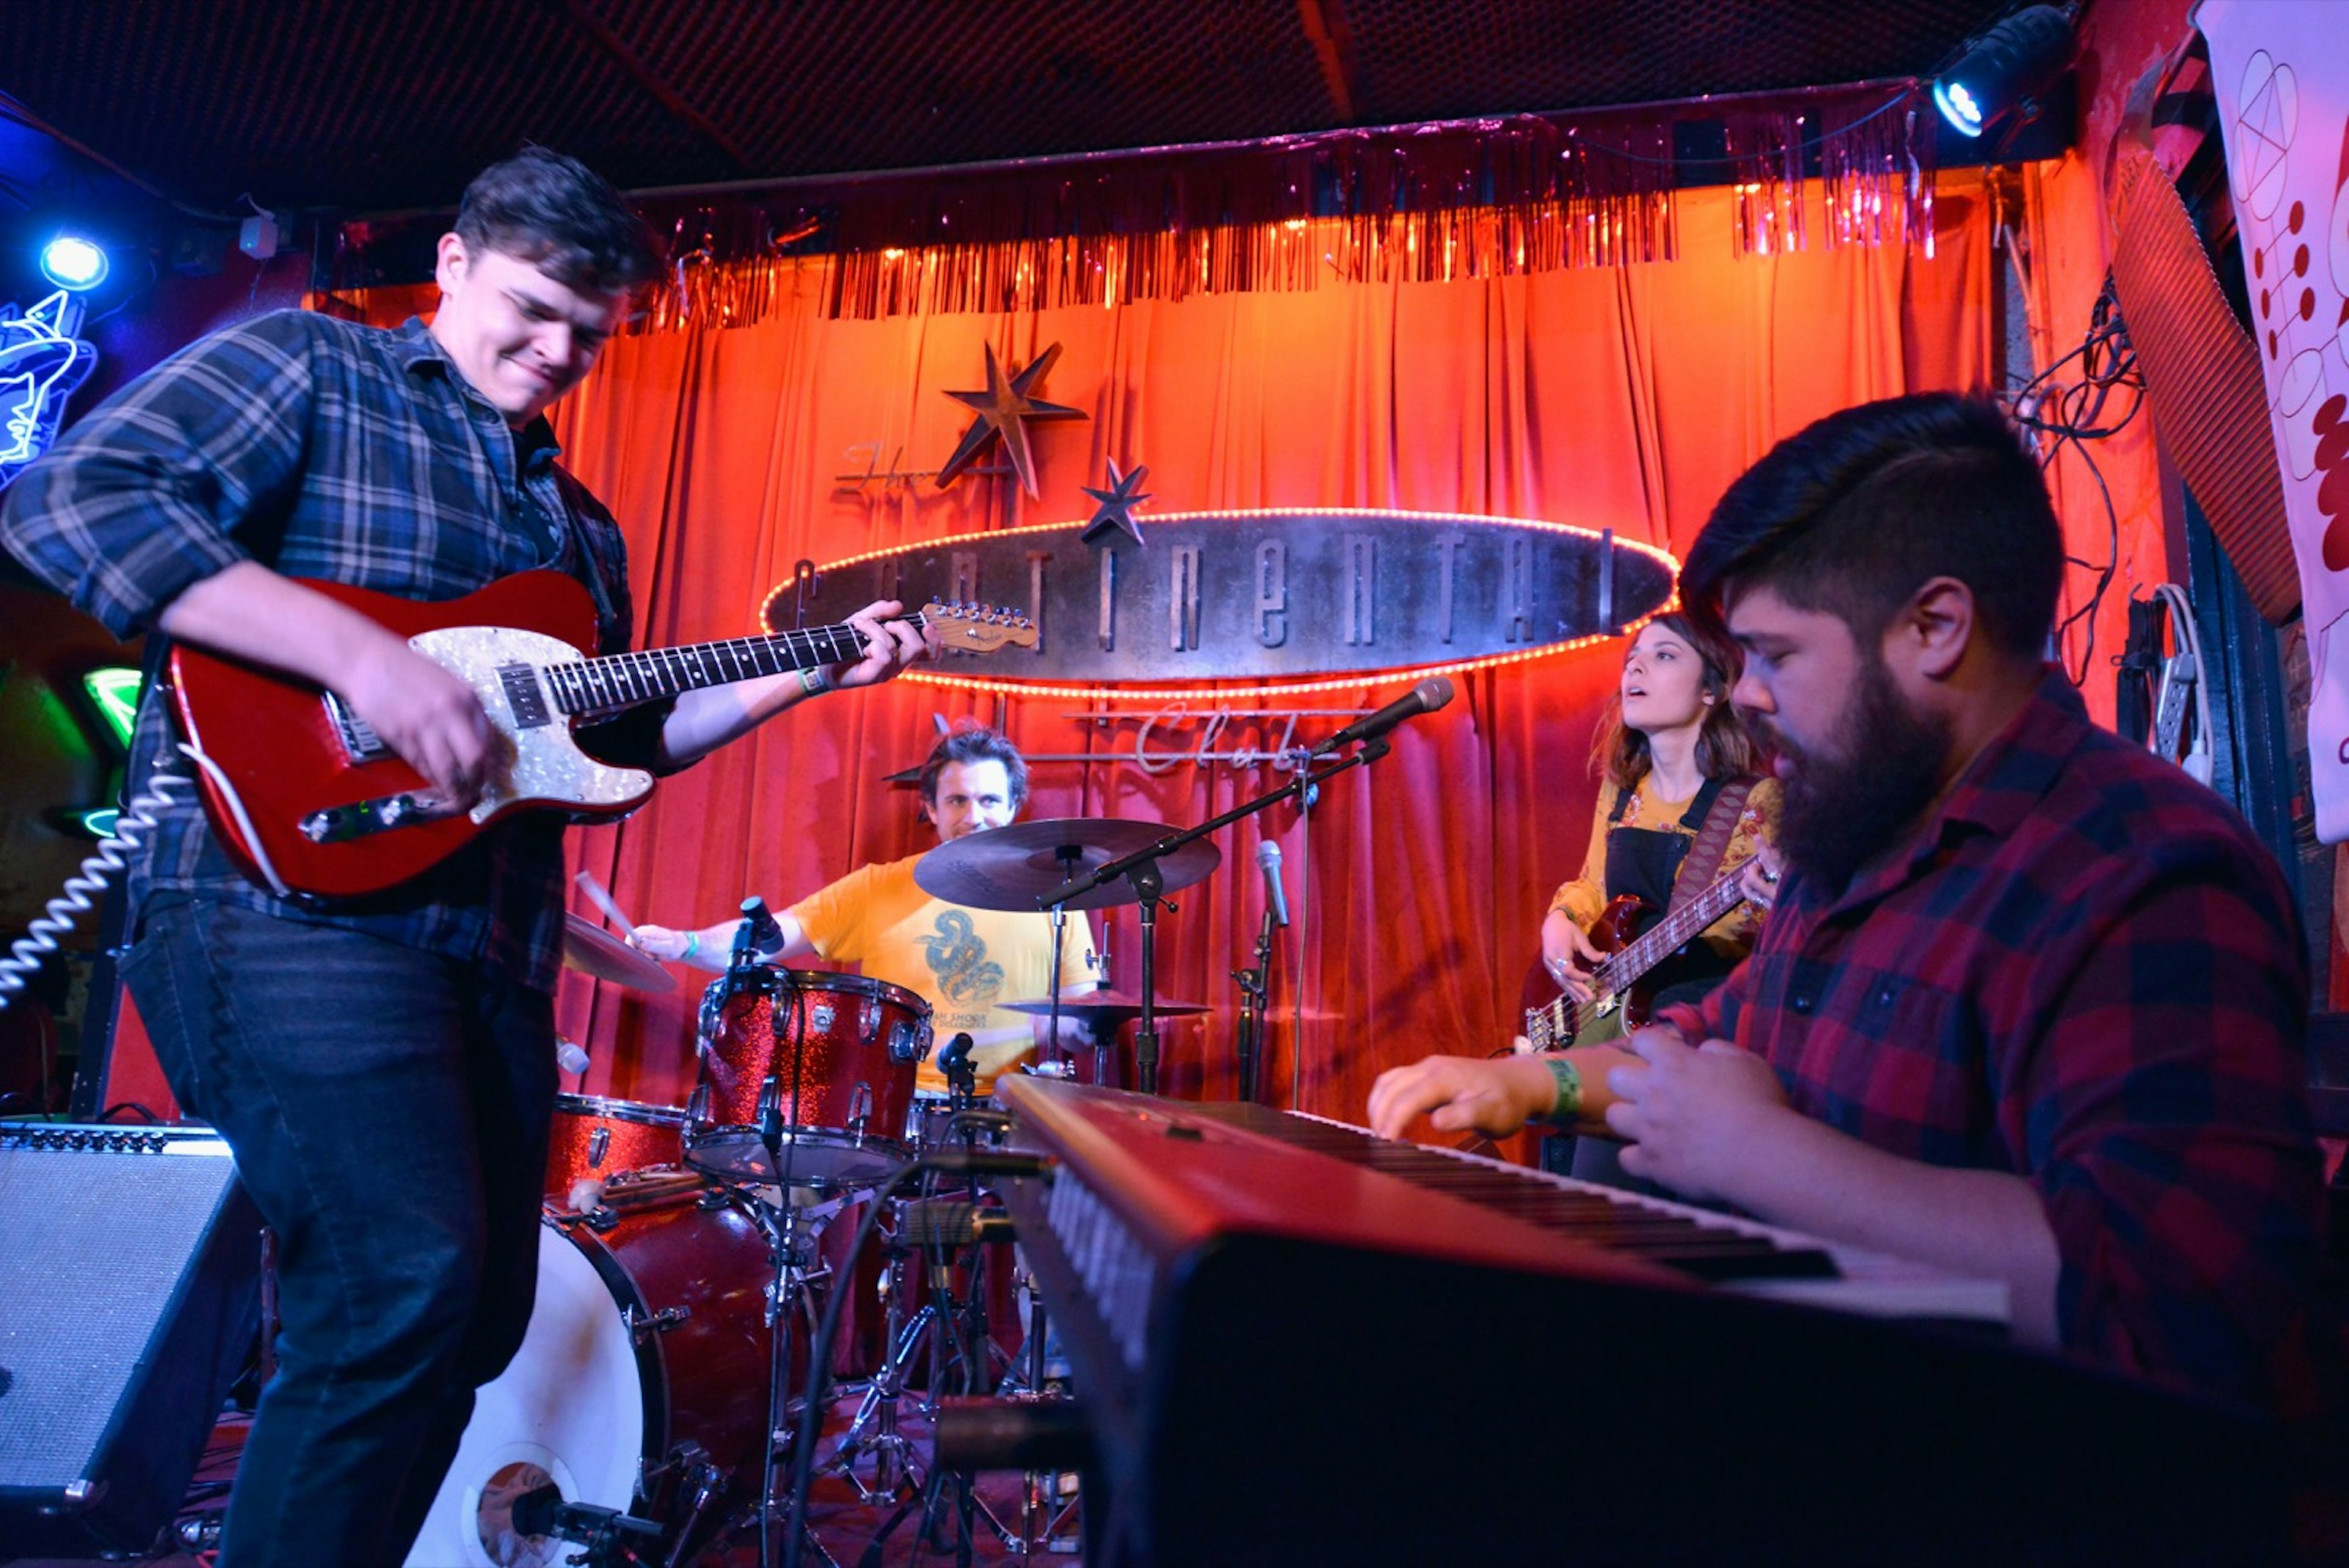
74 262
2006 69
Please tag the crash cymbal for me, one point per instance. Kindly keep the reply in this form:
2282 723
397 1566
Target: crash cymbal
591 950
1011 867
1104 1005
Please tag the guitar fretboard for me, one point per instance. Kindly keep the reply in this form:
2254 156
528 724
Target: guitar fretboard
624 679
1560 1023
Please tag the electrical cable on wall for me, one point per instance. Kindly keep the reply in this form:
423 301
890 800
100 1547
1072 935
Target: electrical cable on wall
2064 404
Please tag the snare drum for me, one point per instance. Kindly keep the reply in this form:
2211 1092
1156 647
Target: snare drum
839 1052
596 1139
648 1357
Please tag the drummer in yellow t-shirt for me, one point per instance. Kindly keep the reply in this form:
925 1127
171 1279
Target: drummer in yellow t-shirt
962 961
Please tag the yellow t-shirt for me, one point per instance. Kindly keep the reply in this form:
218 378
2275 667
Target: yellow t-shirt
962 961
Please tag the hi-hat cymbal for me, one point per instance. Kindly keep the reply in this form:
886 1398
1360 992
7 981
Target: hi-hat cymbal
591 950
1013 867
1103 1006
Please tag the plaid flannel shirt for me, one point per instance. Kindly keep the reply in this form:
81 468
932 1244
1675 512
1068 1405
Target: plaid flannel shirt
324 450
2088 973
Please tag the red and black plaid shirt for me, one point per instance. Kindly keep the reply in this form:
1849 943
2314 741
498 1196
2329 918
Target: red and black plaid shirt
2087 972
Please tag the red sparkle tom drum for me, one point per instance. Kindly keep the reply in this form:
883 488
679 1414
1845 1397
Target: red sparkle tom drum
595 1139
837 1052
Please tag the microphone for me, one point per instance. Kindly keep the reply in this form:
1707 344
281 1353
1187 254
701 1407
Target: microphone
1424 697
570 1056
757 933
955 1061
1268 855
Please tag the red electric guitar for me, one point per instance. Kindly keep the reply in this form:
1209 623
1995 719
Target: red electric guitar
1553 1019
307 791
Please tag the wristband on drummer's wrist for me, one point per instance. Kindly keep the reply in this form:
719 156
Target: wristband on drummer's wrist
692 944
1567 1108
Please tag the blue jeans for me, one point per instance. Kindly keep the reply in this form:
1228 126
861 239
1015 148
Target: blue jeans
389 1111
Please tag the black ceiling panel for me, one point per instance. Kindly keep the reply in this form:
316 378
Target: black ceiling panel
360 104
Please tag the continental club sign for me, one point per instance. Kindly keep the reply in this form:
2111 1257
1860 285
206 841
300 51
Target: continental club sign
1266 596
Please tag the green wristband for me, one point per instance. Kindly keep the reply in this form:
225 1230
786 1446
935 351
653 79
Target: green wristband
692 944
1567 1109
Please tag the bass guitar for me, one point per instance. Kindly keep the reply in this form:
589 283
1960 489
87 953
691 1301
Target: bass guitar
309 799
1554 1020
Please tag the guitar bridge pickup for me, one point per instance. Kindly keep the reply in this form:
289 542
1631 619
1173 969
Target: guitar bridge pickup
362 818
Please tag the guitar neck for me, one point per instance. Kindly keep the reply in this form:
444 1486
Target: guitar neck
1562 1020
625 680
1667 934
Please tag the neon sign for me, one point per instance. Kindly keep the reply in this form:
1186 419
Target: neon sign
41 363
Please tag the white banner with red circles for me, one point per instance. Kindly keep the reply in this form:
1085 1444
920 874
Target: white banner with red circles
2280 70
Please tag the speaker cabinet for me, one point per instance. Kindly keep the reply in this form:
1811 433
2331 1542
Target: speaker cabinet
129 1291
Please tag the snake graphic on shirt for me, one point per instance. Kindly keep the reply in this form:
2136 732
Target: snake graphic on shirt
959 958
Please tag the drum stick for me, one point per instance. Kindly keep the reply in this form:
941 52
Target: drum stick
602 901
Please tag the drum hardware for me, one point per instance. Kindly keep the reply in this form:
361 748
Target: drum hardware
908 1339
1031 1425
543 1513
641 1327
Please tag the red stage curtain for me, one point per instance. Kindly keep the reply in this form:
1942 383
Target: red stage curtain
1624 398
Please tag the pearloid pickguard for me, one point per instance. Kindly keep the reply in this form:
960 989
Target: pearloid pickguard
540 764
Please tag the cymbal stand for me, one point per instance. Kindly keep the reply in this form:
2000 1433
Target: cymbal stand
1142 870
963 1329
905 1340
1149 881
1047 1499
786 1296
1068 855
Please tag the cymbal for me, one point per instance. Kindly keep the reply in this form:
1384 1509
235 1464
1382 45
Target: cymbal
591 950
1011 867
1105 1006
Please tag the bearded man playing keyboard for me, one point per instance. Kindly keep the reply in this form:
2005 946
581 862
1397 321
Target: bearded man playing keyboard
2032 1004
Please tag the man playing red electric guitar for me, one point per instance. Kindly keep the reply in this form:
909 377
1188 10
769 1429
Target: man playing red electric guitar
383 1066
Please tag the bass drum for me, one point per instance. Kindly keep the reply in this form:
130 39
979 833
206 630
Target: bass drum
642 1381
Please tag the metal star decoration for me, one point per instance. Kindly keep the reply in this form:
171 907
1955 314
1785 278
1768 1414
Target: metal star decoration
1117 503
1005 409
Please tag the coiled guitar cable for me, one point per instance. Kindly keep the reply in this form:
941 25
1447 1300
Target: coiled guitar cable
29 951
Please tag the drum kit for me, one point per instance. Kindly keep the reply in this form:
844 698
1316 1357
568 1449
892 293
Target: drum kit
683 1261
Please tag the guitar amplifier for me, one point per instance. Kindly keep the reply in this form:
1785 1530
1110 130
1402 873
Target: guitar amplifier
129 1294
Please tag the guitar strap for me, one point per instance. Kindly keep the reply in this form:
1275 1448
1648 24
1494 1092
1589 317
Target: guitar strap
581 532
1702 866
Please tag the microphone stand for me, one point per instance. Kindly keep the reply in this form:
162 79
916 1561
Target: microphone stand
1254 985
1142 870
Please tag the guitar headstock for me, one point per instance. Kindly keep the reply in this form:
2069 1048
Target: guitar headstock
979 628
